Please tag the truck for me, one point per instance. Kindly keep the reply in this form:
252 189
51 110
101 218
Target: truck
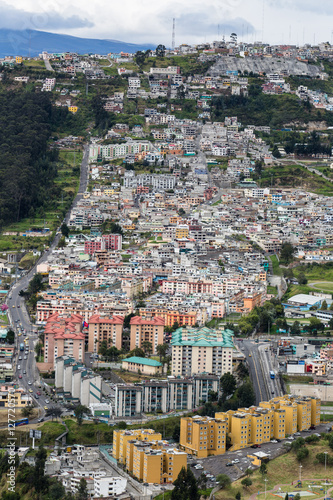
272 374
22 347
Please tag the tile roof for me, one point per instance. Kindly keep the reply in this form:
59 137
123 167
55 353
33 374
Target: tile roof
142 320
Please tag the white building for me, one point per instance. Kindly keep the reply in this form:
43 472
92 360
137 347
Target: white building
109 486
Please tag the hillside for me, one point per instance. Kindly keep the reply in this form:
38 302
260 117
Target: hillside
33 43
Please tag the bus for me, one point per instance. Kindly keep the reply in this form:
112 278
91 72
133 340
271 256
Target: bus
22 347
23 421
272 374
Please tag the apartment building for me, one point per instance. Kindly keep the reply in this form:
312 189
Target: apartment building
147 457
105 328
74 382
146 329
63 337
247 426
17 397
122 437
198 350
203 436
175 393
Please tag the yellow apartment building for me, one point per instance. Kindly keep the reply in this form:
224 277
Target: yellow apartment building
203 436
290 409
155 461
182 232
303 414
122 437
276 418
315 411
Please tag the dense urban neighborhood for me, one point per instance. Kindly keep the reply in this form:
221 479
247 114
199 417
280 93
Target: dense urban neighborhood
166 267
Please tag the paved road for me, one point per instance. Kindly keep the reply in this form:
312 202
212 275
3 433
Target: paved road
18 314
218 464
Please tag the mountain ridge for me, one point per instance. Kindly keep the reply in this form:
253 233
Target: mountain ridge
32 43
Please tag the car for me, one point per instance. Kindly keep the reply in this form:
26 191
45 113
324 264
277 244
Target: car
46 408
312 428
20 358
297 433
38 393
24 372
37 397
20 376
13 307
250 355
29 383
30 390
229 464
18 305
236 461
47 401
40 419
273 441
19 367
255 446
272 392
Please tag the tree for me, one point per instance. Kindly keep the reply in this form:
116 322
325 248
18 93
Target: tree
275 152
64 230
186 487
324 305
238 495
139 57
246 482
54 411
147 347
79 411
162 350
246 395
223 480
27 411
160 51
202 481
10 337
242 371
137 351
295 328
315 324
228 385
302 279
127 320
302 454
287 253
82 491
40 480
56 491
263 469
296 445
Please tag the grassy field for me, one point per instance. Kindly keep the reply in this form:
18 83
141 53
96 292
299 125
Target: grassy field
276 266
283 471
296 176
324 286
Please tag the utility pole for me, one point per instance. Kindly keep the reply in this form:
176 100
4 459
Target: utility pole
173 33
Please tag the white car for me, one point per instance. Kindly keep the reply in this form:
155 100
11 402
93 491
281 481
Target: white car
29 383
236 461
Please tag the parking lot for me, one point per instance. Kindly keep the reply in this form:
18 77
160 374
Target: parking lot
217 464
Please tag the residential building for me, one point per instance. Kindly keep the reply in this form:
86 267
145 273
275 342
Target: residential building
105 487
105 328
122 437
203 436
63 336
145 366
198 350
146 329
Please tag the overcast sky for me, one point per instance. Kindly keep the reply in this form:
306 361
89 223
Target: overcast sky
273 21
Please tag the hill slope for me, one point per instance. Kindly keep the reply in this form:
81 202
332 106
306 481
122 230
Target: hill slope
32 42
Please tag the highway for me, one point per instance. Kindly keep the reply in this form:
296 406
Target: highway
259 359
19 317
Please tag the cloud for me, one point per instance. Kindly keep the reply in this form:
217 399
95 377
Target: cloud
325 7
13 18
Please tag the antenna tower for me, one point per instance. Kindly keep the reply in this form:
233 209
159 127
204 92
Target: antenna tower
173 33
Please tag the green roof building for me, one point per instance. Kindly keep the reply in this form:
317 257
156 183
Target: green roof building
201 350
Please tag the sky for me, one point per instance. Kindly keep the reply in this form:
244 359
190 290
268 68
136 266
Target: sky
196 21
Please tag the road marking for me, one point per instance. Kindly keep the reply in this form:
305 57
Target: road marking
255 368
